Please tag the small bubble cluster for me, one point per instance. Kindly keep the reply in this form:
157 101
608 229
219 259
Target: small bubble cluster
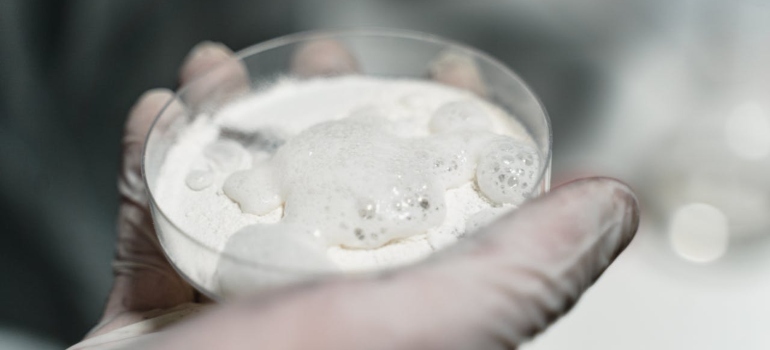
452 157
414 202
507 170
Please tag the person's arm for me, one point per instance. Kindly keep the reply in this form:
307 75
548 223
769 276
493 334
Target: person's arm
494 290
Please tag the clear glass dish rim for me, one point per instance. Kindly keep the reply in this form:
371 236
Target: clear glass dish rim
328 34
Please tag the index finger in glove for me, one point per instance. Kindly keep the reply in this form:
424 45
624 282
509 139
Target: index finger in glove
212 75
323 57
525 270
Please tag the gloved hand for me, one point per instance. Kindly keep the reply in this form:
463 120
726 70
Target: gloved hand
494 290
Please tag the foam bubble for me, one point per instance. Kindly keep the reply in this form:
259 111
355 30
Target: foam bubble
361 186
453 157
507 170
198 180
255 190
459 116
258 255
279 245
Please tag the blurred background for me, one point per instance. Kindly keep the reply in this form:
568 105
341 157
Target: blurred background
672 96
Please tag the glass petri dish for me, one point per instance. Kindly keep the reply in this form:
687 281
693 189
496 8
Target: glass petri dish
381 53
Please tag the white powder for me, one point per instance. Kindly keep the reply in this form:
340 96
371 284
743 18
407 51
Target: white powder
191 188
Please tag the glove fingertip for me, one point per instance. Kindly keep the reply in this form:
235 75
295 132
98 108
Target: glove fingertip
323 58
144 111
202 58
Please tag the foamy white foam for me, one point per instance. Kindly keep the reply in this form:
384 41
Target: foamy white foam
374 172
507 170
